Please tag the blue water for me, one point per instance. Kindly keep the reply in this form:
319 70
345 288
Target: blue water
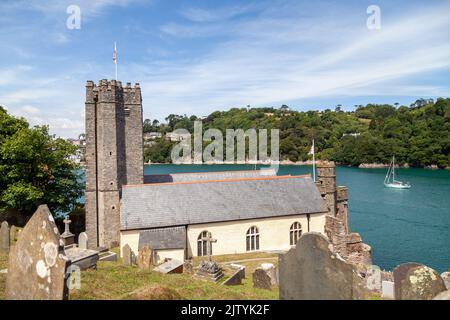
399 225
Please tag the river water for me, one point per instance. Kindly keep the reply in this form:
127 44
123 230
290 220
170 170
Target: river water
399 225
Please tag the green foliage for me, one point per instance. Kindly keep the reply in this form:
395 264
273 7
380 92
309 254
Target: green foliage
418 135
35 168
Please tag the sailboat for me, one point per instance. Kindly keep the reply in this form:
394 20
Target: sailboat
389 180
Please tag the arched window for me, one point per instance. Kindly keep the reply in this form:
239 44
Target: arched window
202 244
295 233
252 239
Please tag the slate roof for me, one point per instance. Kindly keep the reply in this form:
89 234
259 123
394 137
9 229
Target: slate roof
195 202
196 176
166 238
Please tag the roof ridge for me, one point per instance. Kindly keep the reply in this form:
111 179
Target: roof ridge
232 171
218 180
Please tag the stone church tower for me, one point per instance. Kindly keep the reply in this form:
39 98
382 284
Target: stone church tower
114 155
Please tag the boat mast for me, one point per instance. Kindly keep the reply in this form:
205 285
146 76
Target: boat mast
393 168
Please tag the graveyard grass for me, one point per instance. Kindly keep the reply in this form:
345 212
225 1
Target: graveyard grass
113 280
3 265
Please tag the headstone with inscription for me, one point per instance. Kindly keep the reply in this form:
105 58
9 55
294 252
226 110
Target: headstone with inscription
37 263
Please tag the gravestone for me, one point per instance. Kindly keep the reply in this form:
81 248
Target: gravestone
128 256
37 263
387 289
373 278
144 260
67 236
4 238
83 240
446 277
421 283
311 271
236 277
171 266
188 267
13 234
261 279
272 271
399 275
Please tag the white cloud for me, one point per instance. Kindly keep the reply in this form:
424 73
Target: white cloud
273 58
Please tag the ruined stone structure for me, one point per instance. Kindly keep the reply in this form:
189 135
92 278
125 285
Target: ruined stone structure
349 245
114 155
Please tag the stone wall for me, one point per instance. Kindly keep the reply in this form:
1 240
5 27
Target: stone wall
348 245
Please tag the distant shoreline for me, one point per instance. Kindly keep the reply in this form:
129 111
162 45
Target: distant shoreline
309 163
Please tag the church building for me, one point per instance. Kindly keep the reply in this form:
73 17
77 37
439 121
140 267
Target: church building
177 214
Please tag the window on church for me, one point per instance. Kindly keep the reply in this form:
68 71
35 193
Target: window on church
295 233
252 239
202 244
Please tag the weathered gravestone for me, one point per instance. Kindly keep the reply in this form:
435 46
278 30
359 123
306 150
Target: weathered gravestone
83 240
446 277
261 279
144 260
421 283
312 271
13 234
4 238
271 271
171 266
128 256
373 278
188 267
37 263
236 277
399 274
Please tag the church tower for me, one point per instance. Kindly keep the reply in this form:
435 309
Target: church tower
114 155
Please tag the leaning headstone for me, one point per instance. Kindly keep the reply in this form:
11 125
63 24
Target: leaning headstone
421 283
4 238
83 240
37 263
171 266
128 256
446 277
236 277
399 275
311 271
387 289
271 270
144 260
261 279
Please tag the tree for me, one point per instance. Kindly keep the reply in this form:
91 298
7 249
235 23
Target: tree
35 168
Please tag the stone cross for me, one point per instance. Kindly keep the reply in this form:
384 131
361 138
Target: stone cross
68 237
209 241
67 222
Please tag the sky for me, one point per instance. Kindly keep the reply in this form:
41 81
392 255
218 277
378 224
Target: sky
196 57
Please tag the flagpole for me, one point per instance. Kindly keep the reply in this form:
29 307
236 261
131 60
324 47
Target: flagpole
115 57
314 162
